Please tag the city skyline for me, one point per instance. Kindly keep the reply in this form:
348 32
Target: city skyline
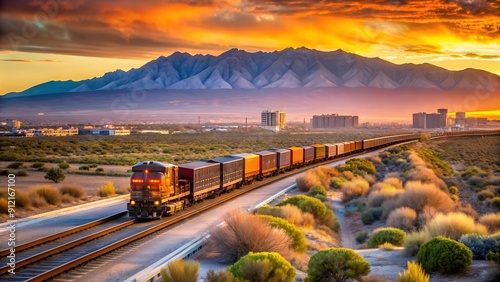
61 40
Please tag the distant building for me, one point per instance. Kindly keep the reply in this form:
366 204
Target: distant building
69 131
432 120
419 120
334 121
460 118
273 119
13 123
103 131
443 118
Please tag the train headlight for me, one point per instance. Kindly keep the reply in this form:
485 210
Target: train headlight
132 202
157 203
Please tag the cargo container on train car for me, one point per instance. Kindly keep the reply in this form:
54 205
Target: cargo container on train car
268 163
284 159
231 172
308 154
297 156
251 166
358 145
204 178
331 151
319 152
340 149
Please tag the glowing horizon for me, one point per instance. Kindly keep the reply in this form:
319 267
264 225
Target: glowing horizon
63 40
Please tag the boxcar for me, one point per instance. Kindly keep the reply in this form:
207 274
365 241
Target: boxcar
331 151
308 154
297 156
251 166
358 145
231 172
340 149
284 159
204 178
319 152
268 163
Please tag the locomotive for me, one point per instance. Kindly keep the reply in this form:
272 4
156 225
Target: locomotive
158 189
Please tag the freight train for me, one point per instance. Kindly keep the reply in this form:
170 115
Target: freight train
158 189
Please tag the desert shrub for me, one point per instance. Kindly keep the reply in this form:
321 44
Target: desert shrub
47 192
74 191
55 174
263 267
99 169
354 188
295 216
220 276
367 217
299 242
4 206
356 164
93 165
495 203
465 208
331 222
444 255
37 200
181 271
317 190
394 182
84 167
67 198
387 247
243 233
22 173
336 264
106 190
64 165
454 198
454 225
485 194
317 176
361 236
472 171
37 165
414 273
403 218
414 241
337 182
378 197
15 165
495 257
308 204
453 190
481 245
491 221
417 196
348 175
476 181
5 172
387 235
22 199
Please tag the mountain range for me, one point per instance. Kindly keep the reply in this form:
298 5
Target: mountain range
288 68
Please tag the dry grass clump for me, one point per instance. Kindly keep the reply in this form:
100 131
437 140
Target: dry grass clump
414 273
403 218
181 271
355 188
454 225
378 197
46 192
394 182
413 242
387 246
106 190
244 233
317 176
417 195
420 172
73 190
22 199
491 221
295 216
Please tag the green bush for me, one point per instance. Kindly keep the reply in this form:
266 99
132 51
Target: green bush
337 182
299 242
367 217
444 255
55 174
414 241
74 191
263 267
46 192
84 167
356 164
414 273
361 236
308 204
387 235
481 245
99 169
64 165
495 203
337 265
106 190
485 194
15 165
454 198
37 165
453 190
181 271
495 257
317 190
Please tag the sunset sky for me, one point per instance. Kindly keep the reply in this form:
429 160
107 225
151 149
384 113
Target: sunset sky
61 39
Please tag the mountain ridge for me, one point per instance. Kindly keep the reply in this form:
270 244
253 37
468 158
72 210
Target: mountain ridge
288 68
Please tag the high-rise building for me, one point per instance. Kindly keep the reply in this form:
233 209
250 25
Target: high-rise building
460 118
273 119
419 120
334 121
444 115
433 120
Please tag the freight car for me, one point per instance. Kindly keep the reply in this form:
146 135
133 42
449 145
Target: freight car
158 189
